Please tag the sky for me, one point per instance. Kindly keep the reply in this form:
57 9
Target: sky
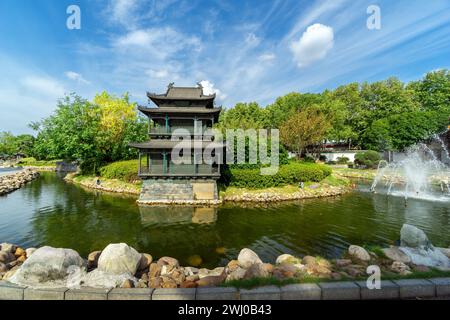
243 50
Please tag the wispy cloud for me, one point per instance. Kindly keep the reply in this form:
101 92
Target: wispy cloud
76 77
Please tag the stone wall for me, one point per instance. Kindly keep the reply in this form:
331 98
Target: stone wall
179 191
14 181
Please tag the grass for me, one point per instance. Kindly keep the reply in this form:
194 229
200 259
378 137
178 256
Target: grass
378 250
115 185
32 162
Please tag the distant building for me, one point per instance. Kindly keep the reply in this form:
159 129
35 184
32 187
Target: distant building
181 112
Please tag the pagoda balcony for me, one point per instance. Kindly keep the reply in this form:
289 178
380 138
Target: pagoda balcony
178 170
168 131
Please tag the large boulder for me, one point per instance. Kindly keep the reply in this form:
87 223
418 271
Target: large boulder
102 279
48 267
413 237
395 254
257 270
359 253
119 258
248 257
287 258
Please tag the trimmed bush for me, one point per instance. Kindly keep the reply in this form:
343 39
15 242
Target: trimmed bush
342 160
122 170
290 174
368 159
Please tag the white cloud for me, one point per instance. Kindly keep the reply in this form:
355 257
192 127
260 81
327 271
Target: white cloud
209 89
122 11
313 45
158 42
267 57
252 40
76 77
43 86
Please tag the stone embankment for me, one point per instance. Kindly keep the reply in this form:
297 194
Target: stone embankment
14 181
119 267
315 191
107 185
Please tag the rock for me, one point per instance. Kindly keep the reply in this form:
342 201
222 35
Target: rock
3 267
93 258
48 266
421 268
256 270
127 284
8 247
401 268
429 257
445 252
287 258
232 265
154 270
188 284
247 257
167 269
119 258
168 282
6 257
237 274
21 259
202 273
343 262
195 260
308 260
169 261
192 278
413 237
142 284
190 271
19 252
10 274
359 253
30 251
146 260
268 267
102 279
178 276
285 271
212 281
395 254
155 282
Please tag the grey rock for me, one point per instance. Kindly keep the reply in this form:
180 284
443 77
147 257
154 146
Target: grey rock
48 267
413 237
248 257
119 258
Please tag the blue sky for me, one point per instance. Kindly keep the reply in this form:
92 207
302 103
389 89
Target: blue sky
253 50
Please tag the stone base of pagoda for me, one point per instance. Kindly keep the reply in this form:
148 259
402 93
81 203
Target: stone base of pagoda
179 191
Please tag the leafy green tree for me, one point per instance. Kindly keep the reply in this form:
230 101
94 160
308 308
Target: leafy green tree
433 91
243 116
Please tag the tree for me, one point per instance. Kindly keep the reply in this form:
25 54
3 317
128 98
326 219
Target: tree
243 116
303 129
93 133
285 106
433 91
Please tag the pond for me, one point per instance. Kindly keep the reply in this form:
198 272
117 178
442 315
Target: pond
49 211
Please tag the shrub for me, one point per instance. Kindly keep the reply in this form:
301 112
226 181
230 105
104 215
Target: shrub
309 159
342 160
323 158
368 159
291 174
122 170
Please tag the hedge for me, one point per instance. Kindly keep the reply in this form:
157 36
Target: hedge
122 170
290 174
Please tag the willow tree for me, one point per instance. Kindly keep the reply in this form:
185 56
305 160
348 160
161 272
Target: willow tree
304 128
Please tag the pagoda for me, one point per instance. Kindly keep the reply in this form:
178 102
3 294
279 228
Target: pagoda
183 117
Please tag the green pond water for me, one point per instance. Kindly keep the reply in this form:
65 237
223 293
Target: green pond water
49 211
